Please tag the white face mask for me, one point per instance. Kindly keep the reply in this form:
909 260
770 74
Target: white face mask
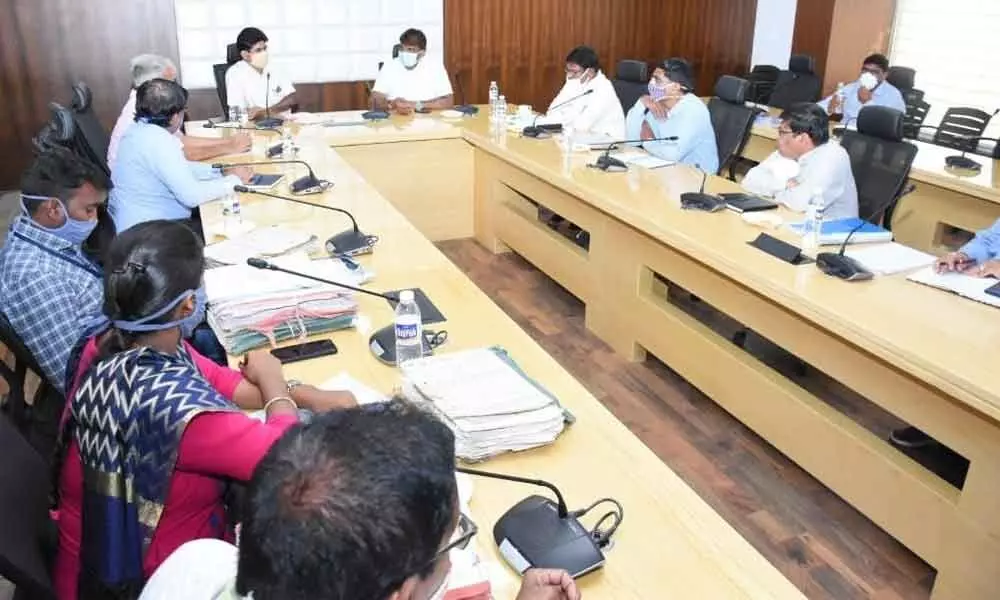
409 59
868 81
259 60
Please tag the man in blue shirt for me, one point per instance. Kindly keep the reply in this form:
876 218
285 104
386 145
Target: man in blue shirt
672 109
49 290
871 89
152 178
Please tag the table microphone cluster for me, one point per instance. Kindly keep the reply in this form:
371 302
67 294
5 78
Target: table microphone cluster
608 163
303 186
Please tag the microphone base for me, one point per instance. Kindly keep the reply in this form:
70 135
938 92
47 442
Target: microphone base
467 109
533 535
374 115
843 267
962 162
307 186
382 343
702 201
609 164
269 123
351 243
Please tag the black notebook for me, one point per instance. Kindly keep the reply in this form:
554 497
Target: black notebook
742 203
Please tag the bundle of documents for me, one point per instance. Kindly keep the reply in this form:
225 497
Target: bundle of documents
487 401
640 158
249 308
836 231
262 242
889 259
973 288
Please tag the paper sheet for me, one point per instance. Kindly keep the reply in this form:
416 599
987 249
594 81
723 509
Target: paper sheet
642 159
966 286
891 258
364 394
262 242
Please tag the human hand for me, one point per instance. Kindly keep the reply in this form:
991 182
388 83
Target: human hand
955 261
646 132
255 112
987 269
548 584
659 111
240 143
261 366
403 107
244 173
835 104
320 401
864 94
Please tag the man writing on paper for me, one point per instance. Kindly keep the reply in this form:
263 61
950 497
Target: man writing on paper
253 84
672 109
599 112
150 66
413 81
871 89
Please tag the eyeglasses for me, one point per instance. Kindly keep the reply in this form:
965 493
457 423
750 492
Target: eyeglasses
782 132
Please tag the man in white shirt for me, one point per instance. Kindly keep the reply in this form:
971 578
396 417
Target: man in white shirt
252 85
412 81
823 166
147 67
598 112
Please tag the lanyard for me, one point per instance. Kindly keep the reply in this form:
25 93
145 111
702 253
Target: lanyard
73 260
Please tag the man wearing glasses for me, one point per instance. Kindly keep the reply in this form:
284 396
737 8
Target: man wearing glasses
252 84
824 167
359 504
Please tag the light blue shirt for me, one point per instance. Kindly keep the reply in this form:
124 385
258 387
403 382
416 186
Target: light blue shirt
985 246
690 122
884 94
152 179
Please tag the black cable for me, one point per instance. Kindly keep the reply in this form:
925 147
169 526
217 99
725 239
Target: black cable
603 537
435 339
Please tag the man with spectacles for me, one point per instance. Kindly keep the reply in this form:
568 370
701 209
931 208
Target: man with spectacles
359 504
824 166
871 89
252 83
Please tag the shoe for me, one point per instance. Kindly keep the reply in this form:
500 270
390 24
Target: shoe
910 438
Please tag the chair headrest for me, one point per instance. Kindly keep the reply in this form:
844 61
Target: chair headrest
396 49
63 125
633 70
801 63
902 78
232 54
765 69
881 122
732 89
82 97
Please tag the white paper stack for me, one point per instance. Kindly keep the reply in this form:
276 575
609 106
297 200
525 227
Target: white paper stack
966 286
486 400
889 259
262 242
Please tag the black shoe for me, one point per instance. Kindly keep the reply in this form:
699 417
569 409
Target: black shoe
910 438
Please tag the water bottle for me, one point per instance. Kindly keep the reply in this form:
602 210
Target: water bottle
287 144
502 111
841 98
232 212
409 329
494 96
812 228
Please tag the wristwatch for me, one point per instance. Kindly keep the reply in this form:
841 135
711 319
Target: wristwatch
291 385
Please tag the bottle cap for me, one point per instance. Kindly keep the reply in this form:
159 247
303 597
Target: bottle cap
406 296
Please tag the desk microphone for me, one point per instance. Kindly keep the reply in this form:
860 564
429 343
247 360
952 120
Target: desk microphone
269 121
841 266
465 109
539 533
961 161
535 131
303 186
212 125
383 342
605 162
700 200
371 114
350 242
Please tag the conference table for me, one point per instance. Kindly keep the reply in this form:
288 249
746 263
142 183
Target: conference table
916 352
671 543
943 200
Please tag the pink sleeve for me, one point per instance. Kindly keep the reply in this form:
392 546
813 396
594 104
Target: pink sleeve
229 444
223 379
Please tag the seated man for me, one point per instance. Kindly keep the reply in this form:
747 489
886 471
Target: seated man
598 112
151 66
672 109
328 518
152 179
252 85
871 89
49 290
413 81
823 166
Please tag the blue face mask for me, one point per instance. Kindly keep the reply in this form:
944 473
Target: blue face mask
187 324
73 231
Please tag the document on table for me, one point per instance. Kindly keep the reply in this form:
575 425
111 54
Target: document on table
642 159
889 259
241 281
973 288
262 242
344 382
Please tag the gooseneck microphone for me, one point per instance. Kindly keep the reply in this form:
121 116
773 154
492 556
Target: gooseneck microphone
371 114
303 186
260 263
349 242
269 121
212 125
535 131
563 511
605 162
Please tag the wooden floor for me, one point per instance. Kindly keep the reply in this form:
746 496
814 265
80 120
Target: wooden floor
820 543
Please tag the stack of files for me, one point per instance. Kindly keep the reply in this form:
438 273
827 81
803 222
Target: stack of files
889 259
249 308
973 288
262 242
642 159
836 231
486 400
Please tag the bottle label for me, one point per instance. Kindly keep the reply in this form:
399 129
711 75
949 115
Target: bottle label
406 331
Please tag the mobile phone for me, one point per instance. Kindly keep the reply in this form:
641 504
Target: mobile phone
993 290
304 351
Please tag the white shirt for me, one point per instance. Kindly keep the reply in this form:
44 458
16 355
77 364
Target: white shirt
203 569
598 112
125 120
426 81
247 87
771 176
826 168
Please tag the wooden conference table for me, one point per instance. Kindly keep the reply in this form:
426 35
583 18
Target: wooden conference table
916 352
671 544
944 198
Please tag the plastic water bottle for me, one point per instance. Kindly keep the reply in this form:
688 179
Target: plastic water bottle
841 98
287 144
494 96
409 329
813 227
232 212
502 111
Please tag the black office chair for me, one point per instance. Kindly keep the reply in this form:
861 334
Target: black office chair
916 113
902 78
631 82
959 124
880 160
732 120
58 131
763 79
29 538
91 137
798 84
219 71
396 49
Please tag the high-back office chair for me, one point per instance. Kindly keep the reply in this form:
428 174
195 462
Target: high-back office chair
396 49
798 84
763 79
92 139
58 131
902 78
219 71
29 538
959 124
732 119
631 81
880 160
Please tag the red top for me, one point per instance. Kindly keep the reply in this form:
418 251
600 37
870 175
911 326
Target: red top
214 445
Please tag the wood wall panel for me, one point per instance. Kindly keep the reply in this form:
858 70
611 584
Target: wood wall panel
813 20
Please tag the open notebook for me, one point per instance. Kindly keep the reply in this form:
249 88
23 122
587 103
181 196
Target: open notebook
973 288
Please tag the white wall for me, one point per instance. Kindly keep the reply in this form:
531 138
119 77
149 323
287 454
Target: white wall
309 40
772 38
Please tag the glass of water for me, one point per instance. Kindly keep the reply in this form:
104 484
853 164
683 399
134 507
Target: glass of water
236 114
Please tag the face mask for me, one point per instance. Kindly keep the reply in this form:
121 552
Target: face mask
259 59
409 59
656 91
868 81
72 230
187 324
